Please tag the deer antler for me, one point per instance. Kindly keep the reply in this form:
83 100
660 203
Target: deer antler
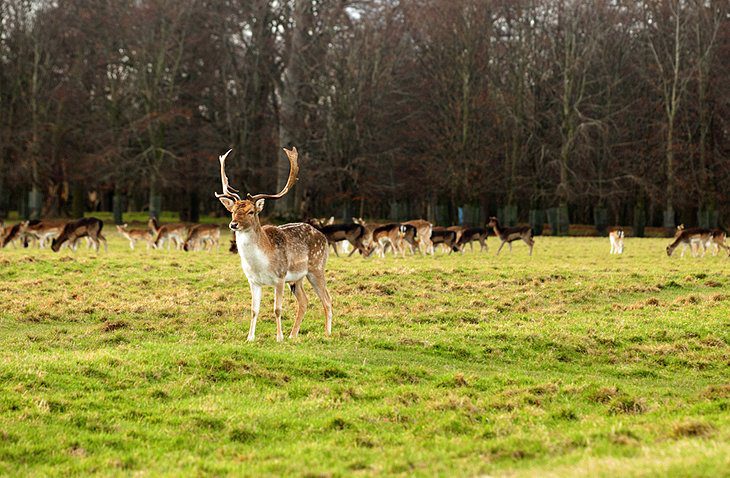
293 155
228 191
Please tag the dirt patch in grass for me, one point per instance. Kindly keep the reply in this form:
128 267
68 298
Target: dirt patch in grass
692 429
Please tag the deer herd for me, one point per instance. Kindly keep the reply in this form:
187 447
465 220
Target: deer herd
277 256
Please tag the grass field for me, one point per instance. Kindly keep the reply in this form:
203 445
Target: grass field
571 362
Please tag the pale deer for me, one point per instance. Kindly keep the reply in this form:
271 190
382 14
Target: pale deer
693 238
202 236
173 233
134 235
277 255
85 227
616 238
423 235
42 231
510 234
470 235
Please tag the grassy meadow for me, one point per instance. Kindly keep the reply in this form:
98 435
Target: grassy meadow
571 362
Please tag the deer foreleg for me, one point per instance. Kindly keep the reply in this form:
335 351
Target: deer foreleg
501 246
255 305
278 301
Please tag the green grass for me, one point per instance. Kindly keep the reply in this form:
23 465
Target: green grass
572 362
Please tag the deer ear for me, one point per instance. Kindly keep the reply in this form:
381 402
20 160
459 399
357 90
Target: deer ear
227 203
259 205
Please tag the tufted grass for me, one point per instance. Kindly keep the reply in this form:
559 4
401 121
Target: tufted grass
572 362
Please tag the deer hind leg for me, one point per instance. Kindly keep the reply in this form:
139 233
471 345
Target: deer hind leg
298 290
501 246
255 306
530 242
320 288
278 301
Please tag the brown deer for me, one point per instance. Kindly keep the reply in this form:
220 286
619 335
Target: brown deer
202 236
510 234
388 235
352 233
693 238
470 235
11 234
442 235
85 227
718 241
277 255
134 235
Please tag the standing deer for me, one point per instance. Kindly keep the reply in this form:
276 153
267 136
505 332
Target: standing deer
510 234
134 235
423 235
277 255
471 234
616 238
694 238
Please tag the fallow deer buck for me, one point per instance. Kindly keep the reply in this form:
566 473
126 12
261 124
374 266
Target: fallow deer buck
202 236
616 238
85 227
510 234
134 235
277 255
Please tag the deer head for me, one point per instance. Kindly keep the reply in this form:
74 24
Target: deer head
245 212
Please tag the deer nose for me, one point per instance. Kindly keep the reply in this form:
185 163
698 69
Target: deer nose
233 225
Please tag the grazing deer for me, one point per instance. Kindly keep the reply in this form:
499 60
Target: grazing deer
202 236
616 238
275 256
692 238
510 234
10 234
85 227
352 233
423 235
442 235
471 234
42 231
134 235
173 233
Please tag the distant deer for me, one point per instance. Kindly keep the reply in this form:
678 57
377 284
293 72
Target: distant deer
510 234
616 238
10 234
442 235
693 238
42 231
85 227
470 235
173 233
352 233
202 236
276 256
389 235
134 235
423 235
